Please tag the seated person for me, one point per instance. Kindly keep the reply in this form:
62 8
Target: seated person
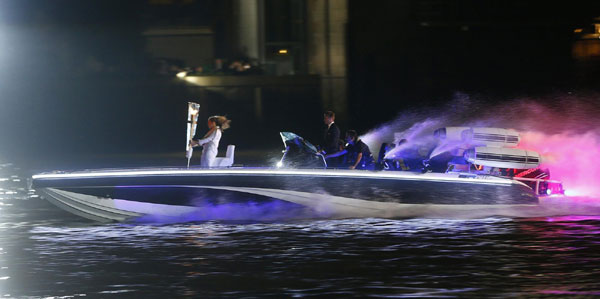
356 153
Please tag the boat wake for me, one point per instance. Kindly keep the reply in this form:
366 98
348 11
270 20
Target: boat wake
548 207
280 211
247 211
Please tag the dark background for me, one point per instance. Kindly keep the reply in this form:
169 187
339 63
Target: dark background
75 80
420 53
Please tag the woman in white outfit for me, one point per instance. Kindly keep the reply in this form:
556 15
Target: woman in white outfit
216 125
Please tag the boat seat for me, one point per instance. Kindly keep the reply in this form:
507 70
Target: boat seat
226 161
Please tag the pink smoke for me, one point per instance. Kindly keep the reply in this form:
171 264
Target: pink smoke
563 127
571 158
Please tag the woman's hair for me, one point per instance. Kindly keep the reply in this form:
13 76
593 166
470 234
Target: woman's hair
221 121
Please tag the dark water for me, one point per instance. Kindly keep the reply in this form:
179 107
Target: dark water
46 252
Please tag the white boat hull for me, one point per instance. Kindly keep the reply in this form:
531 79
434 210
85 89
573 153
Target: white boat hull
121 195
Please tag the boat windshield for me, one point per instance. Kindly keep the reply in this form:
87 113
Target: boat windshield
289 137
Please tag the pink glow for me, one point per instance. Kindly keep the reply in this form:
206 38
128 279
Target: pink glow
571 158
563 128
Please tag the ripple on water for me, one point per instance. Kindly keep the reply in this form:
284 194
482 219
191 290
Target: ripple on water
46 252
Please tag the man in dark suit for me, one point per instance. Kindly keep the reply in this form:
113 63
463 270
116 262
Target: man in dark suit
331 136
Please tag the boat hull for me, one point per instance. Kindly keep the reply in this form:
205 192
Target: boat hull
119 195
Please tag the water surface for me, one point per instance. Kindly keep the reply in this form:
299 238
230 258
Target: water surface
46 252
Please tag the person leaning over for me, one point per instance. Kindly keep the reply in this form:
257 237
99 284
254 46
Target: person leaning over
358 155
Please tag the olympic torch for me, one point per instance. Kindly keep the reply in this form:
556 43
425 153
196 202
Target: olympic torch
192 122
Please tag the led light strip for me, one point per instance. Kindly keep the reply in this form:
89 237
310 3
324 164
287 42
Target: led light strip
322 173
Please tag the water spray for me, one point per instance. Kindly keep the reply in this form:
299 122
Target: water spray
563 129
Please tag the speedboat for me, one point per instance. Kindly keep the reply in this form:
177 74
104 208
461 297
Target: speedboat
300 180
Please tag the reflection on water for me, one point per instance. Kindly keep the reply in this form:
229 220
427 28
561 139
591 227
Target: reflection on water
47 252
